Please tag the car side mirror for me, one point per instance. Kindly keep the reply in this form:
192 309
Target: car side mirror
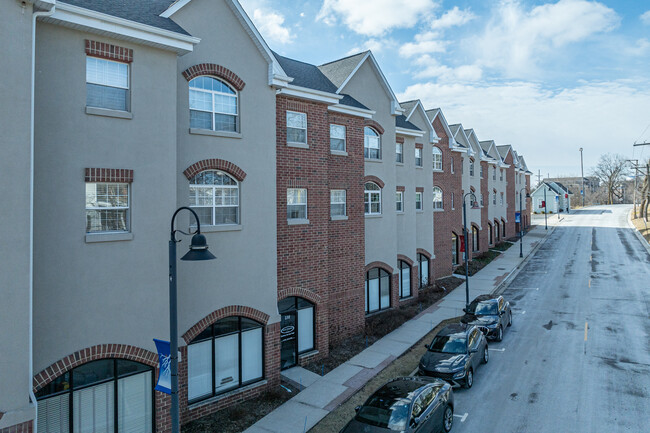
427 346
357 409
464 310
415 421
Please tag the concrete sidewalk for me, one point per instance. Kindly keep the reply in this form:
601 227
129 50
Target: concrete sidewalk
321 395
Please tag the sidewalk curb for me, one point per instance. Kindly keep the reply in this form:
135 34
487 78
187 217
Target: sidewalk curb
503 285
637 234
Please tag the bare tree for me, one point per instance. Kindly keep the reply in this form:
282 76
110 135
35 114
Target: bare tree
611 171
645 192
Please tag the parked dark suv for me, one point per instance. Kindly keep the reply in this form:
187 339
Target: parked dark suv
406 404
454 354
491 313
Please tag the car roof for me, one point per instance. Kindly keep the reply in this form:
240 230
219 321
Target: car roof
488 297
455 328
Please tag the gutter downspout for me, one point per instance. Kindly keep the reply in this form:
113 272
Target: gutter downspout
35 15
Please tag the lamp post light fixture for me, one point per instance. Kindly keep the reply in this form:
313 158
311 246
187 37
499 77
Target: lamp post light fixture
521 223
198 251
474 206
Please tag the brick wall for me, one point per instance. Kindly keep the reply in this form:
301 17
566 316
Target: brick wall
325 257
483 234
26 427
510 197
529 202
447 221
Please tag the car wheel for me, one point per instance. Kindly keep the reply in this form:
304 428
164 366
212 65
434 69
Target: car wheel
510 319
486 356
500 333
448 419
469 379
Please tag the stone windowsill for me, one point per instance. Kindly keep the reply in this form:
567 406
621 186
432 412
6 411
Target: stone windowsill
227 394
298 145
108 237
221 228
339 218
96 111
374 215
225 134
297 221
339 152
372 160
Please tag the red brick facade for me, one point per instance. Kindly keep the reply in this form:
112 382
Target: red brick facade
448 220
510 197
529 202
325 257
215 71
108 51
109 175
483 234
215 164
26 427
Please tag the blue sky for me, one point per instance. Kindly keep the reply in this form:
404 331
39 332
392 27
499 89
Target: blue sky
547 77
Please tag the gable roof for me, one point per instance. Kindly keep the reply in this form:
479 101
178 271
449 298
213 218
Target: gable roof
140 11
437 113
459 136
476 145
503 151
401 122
305 75
411 107
341 71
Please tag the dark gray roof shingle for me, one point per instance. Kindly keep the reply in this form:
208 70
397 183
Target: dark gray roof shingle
350 101
401 122
339 70
305 75
140 11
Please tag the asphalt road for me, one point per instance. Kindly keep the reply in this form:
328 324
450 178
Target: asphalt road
577 358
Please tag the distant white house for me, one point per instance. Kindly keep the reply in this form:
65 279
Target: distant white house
551 197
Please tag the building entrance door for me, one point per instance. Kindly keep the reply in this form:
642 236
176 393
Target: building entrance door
288 340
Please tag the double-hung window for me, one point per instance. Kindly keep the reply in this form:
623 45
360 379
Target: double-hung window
418 201
452 165
452 200
337 202
107 207
437 159
399 201
371 144
377 290
494 198
107 84
424 270
399 152
214 196
501 174
296 203
471 167
418 157
337 138
404 279
296 127
494 174
437 198
501 200
372 198
213 105
481 171
482 202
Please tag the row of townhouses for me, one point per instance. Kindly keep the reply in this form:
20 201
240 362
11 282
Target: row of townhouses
323 197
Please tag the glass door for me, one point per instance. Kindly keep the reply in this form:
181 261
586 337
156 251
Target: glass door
288 340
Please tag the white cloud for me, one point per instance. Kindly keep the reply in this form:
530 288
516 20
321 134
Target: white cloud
268 21
641 48
431 68
375 17
424 43
645 18
453 17
545 126
515 39
374 45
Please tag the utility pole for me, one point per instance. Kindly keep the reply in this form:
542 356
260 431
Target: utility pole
635 166
582 173
539 176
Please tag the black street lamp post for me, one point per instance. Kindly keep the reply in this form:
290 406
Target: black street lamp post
466 250
198 251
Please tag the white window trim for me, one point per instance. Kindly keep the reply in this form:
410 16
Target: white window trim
400 153
344 203
416 157
368 158
419 194
212 94
100 208
127 88
441 202
214 206
370 193
345 141
437 165
297 143
400 201
304 220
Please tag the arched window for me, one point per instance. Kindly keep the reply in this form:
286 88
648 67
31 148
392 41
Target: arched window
503 228
372 198
371 144
490 234
437 159
423 270
377 290
497 231
297 319
454 249
213 105
214 196
226 355
475 244
98 397
437 198
471 167
404 279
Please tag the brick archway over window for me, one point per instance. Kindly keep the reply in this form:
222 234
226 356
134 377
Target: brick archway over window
216 71
300 293
214 164
100 351
375 125
424 253
233 310
374 179
381 265
405 259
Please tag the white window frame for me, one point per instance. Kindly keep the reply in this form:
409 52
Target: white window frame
452 201
451 159
215 197
335 199
335 126
92 81
213 95
399 153
304 116
501 174
418 151
437 158
366 145
368 199
501 199
418 200
404 294
494 198
438 205
471 168
297 204
100 209
399 201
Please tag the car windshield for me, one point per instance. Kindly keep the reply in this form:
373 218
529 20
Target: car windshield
380 411
484 308
449 344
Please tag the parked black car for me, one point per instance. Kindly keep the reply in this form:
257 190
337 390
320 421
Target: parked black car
406 404
454 354
491 313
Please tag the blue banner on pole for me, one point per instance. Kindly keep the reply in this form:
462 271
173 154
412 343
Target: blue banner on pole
517 217
165 363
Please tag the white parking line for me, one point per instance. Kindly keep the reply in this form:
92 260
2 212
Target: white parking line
462 417
497 350
523 312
